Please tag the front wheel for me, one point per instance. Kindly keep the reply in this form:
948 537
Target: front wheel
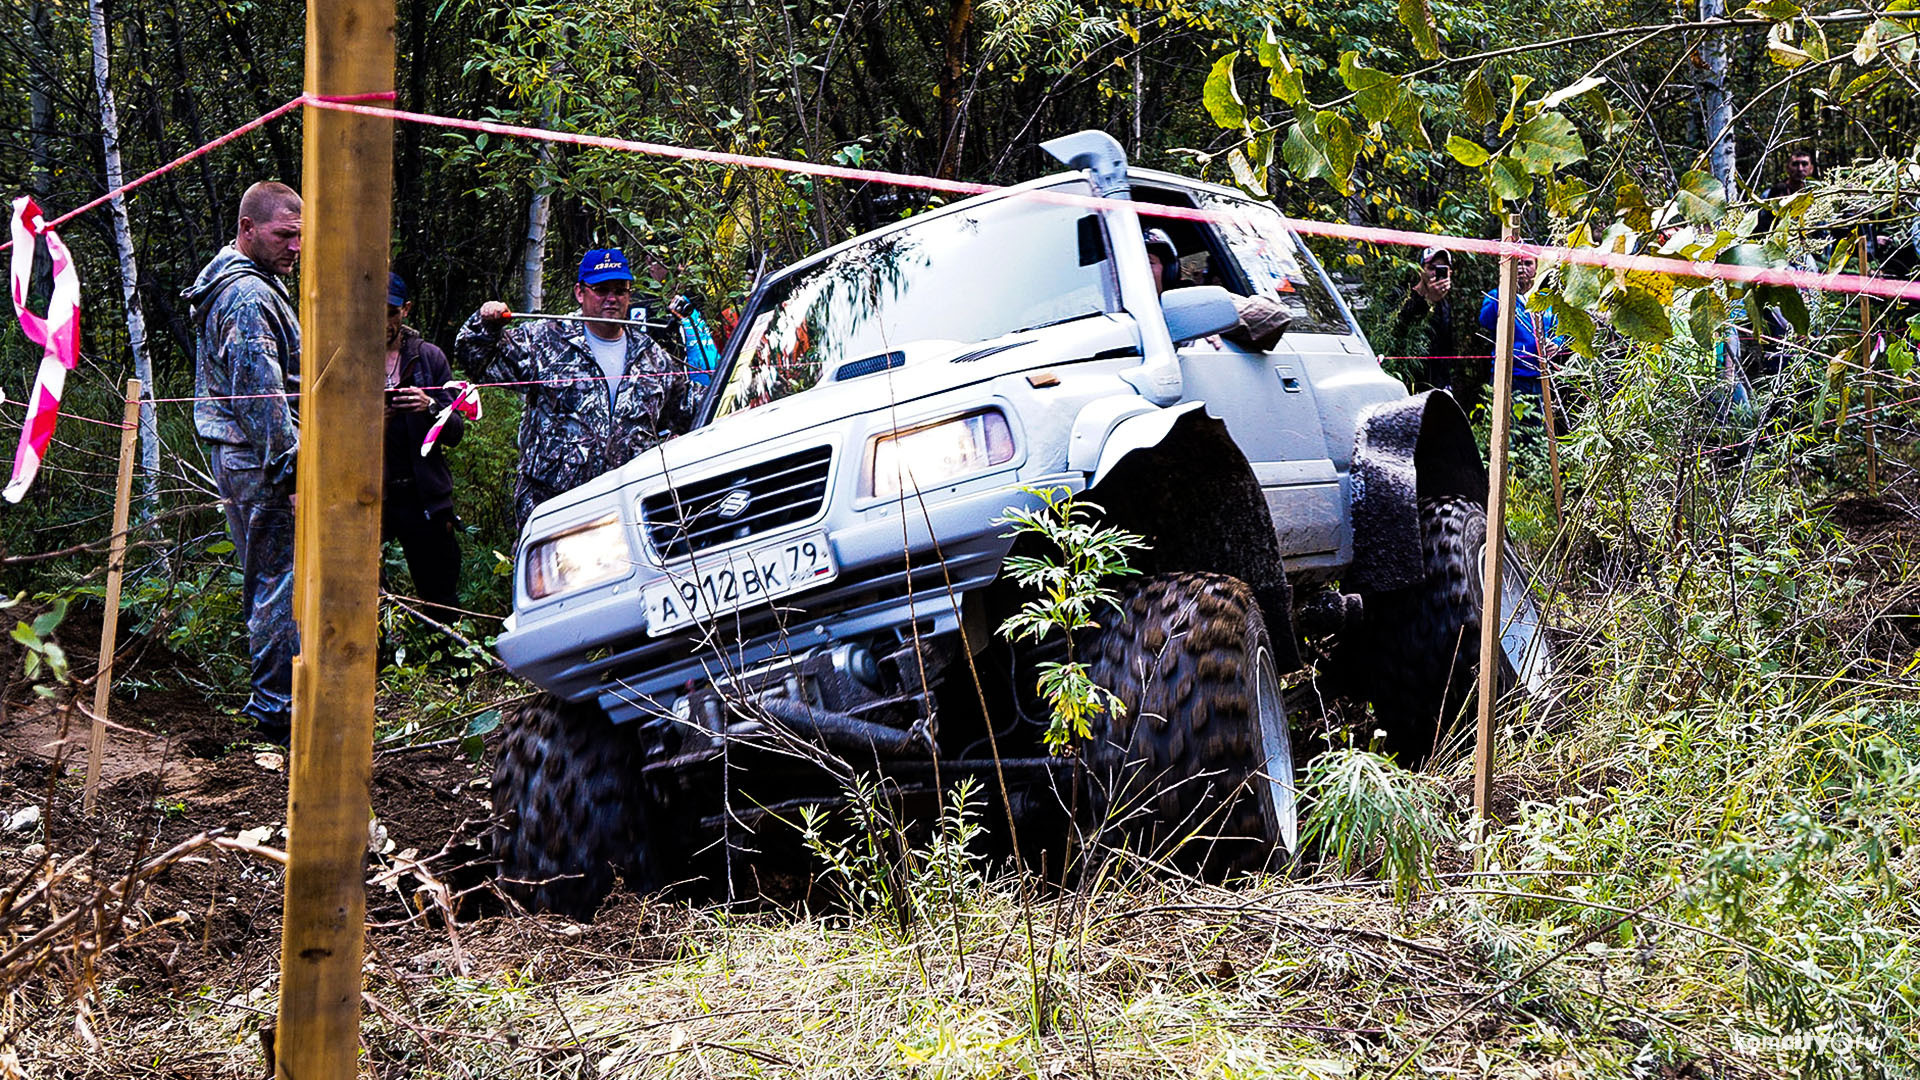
1197 764
569 811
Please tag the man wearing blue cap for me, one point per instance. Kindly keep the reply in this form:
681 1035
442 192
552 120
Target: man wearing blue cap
418 508
598 392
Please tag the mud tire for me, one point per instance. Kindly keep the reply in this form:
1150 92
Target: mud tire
568 807
1421 645
1182 770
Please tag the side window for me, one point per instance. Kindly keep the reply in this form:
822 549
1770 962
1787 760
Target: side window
1268 254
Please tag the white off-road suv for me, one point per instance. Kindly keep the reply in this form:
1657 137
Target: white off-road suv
808 585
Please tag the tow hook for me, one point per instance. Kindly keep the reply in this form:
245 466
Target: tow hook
1328 612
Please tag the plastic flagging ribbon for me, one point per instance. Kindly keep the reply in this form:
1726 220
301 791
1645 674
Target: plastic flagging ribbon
58 335
466 402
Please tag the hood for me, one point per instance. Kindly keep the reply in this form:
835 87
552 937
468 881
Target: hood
226 268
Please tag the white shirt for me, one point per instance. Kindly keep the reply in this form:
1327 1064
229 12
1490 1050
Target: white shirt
612 358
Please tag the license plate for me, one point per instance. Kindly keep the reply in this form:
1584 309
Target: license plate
723 582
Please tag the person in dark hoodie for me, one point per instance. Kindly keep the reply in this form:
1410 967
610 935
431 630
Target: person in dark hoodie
418 509
247 364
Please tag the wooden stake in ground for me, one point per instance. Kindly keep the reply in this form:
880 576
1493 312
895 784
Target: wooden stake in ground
110 622
1496 533
1553 440
1866 373
347 182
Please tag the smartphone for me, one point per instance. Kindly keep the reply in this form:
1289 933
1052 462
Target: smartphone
1440 272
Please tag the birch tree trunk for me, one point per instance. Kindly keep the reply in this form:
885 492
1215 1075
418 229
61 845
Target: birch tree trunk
533 258
1716 105
129 268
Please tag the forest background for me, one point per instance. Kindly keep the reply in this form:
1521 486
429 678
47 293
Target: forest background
1706 862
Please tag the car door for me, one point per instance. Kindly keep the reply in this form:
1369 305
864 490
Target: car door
1266 398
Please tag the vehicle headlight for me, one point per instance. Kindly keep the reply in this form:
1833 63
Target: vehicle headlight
939 453
593 553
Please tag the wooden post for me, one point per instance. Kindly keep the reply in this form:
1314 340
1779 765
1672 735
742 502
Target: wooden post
1553 444
347 182
110 622
1866 373
1496 534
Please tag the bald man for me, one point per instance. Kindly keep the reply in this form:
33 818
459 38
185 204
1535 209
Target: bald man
247 338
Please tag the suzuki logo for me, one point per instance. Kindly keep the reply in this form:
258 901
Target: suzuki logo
735 503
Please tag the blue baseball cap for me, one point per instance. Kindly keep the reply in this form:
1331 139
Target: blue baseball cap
396 290
604 264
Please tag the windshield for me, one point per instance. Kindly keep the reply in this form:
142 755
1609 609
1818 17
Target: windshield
1264 246
996 269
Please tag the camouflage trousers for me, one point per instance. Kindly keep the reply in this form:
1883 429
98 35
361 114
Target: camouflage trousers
260 523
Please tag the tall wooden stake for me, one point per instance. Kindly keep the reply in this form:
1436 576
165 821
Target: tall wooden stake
347 182
1553 446
1496 534
1866 361
110 622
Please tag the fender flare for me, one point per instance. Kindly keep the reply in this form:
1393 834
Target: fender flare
1418 447
1107 430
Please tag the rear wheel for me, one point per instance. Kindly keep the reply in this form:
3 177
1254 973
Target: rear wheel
569 812
1197 764
1421 644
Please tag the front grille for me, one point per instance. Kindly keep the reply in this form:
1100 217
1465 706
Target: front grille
747 501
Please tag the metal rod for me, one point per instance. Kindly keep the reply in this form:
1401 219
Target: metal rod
587 319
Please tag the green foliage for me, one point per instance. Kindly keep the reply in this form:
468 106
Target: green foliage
1072 590
1361 806
44 655
876 871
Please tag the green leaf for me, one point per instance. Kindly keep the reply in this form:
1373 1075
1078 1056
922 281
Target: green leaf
1775 10
1630 203
1341 146
1701 198
1467 152
220 547
1867 48
1705 316
1284 80
1251 180
1221 97
1571 320
1780 46
1567 197
1417 17
1303 157
48 620
1585 284
1548 140
1520 84
1899 356
1641 316
1375 92
1508 176
1405 119
484 723
1792 306
1815 41
1862 84
1477 98
480 141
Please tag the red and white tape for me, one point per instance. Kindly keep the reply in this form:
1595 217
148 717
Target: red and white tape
466 402
57 334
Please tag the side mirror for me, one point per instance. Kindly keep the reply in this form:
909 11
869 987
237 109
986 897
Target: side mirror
1198 310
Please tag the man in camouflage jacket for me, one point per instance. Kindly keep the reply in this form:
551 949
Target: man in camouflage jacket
247 363
597 393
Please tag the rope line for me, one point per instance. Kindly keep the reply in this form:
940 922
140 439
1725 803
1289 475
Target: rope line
356 104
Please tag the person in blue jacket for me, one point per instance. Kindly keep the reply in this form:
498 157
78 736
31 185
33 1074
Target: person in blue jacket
1535 344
